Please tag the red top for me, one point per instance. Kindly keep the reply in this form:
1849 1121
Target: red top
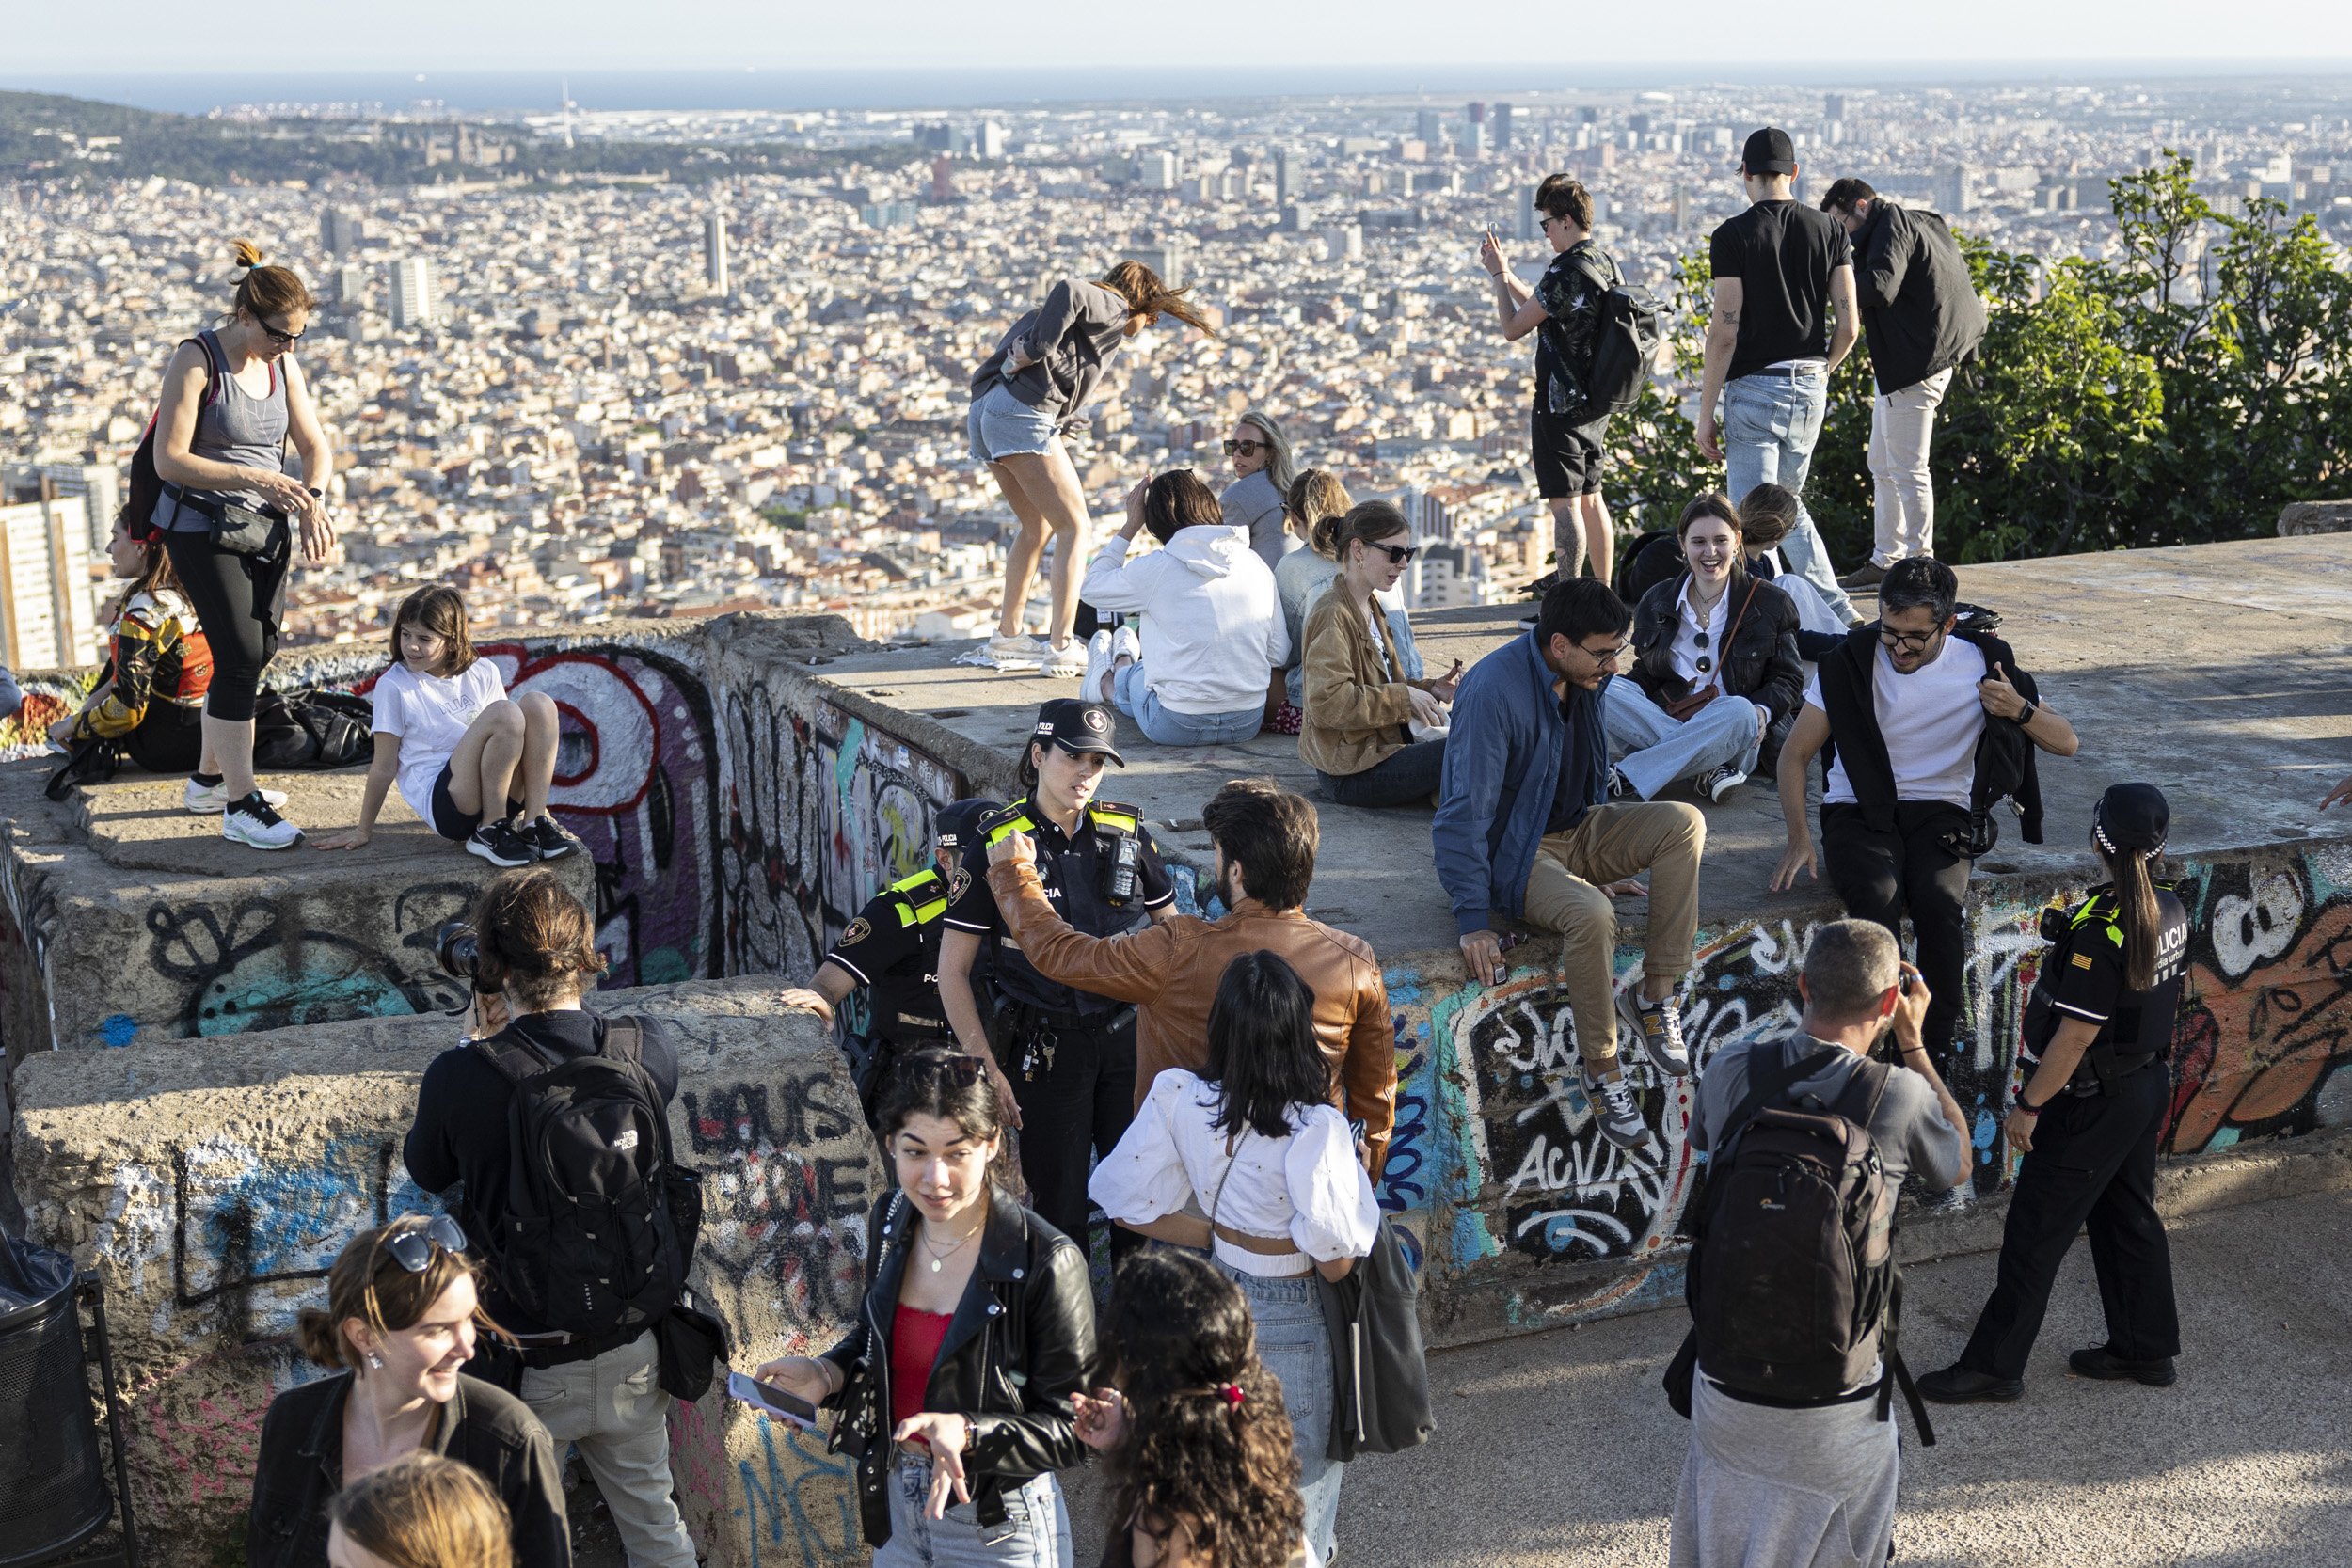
915 1340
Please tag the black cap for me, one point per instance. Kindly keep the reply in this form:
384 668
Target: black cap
958 824
2131 816
1769 152
1076 726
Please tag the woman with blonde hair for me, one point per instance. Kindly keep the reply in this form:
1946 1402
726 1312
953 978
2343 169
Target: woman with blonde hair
226 508
421 1511
401 1322
1024 394
1316 503
1259 498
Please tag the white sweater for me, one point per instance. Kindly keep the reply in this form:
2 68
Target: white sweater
1212 624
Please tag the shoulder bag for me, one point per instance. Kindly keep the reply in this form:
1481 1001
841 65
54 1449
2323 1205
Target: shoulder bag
1682 707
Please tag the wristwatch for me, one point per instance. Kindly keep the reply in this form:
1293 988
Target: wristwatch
2024 715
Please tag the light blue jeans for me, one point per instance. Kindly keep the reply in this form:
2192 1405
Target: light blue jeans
1035 1534
1167 727
1652 749
1001 425
1295 1346
1770 425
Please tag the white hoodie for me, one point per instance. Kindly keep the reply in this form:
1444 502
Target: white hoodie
1212 623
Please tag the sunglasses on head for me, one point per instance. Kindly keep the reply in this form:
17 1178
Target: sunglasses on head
412 1250
958 1068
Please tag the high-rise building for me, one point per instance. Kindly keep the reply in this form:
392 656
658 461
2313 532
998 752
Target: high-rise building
1833 108
715 253
1955 189
1343 242
1167 259
943 179
415 302
351 285
1155 171
989 141
1526 222
98 484
1502 127
1475 134
1286 173
340 232
47 620
1429 127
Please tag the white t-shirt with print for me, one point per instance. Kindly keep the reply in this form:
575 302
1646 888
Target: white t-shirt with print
430 714
1931 720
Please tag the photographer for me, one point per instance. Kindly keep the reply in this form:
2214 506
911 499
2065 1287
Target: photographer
588 1360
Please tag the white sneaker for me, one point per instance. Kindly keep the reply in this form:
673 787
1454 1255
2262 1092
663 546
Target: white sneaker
1126 644
1098 667
255 823
202 798
1023 649
1066 662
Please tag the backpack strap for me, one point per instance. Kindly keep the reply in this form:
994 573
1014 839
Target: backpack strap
622 1039
1765 1087
517 1063
1863 1092
1897 1371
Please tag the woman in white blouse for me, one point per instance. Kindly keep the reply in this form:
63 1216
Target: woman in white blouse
1255 1143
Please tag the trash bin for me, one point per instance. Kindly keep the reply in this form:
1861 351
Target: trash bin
53 1493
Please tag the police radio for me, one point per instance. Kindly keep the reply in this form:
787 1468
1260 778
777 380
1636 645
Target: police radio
1121 889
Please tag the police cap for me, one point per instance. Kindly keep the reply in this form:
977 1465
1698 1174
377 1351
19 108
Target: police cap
1077 726
958 824
2133 817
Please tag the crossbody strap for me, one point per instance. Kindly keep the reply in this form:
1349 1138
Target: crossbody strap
1771 1085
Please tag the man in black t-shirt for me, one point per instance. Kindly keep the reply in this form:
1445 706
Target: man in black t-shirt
1781 269
1562 309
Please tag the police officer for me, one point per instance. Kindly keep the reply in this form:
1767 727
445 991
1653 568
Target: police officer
1065 1059
892 950
2099 1027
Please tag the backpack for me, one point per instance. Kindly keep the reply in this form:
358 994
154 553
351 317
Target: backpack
600 1223
147 486
313 728
1625 344
1792 1285
1639 571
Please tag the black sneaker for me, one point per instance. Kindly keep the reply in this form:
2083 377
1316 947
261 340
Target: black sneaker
546 838
500 845
2104 1364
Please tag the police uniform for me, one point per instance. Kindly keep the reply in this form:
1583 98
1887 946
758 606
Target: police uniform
2093 1160
1070 1055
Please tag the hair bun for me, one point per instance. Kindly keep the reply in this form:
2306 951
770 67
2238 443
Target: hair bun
248 255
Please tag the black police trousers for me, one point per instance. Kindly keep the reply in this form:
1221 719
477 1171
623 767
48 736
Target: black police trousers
1075 1105
2093 1164
1882 877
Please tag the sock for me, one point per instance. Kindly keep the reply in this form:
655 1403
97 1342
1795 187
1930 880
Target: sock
210 780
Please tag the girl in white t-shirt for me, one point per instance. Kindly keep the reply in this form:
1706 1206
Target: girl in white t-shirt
448 733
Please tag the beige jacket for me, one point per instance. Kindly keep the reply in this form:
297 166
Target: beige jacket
1357 708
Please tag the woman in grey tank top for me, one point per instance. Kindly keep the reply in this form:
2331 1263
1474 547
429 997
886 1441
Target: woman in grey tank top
228 448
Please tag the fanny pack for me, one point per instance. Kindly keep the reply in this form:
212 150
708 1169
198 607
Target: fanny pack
236 530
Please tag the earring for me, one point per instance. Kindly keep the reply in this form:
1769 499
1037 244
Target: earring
376 1361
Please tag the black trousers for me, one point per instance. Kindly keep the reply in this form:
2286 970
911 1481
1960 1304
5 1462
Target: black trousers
1884 877
239 600
2093 1165
1075 1104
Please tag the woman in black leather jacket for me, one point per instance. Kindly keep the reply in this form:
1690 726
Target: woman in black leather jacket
1681 628
957 1389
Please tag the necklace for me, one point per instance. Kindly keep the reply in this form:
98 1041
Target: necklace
939 1258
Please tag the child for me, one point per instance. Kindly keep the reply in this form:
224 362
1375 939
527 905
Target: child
446 729
150 700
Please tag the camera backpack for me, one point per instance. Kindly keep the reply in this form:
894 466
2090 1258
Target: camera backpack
1792 1286
1624 344
600 1220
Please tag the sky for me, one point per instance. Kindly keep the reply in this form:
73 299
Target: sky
1811 39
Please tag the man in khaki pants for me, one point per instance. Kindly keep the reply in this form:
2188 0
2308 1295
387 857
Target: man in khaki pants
1526 828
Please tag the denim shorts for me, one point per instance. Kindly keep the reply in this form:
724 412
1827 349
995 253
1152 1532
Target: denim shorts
1001 425
1035 1534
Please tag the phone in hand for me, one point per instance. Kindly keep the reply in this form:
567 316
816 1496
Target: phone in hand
770 1400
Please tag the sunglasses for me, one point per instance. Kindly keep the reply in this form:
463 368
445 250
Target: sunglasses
1238 449
959 1069
1398 554
283 339
412 1250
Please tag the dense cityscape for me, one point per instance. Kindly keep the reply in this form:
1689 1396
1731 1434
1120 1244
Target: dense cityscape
650 394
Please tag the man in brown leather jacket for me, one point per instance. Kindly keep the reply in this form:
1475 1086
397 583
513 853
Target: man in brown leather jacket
1265 840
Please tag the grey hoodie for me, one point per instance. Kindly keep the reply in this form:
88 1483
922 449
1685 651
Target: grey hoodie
1070 336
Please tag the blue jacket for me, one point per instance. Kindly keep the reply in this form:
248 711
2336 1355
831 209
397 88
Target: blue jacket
1505 756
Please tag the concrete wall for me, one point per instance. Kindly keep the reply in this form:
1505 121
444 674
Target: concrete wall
211 1189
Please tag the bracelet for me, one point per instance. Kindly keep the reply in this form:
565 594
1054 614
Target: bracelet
2029 1106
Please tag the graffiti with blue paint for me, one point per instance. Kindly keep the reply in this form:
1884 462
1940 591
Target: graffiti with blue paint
804 1490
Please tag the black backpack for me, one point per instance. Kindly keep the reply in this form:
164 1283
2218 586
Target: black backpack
1625 344
1792 1286
600 1224
313 728
147 487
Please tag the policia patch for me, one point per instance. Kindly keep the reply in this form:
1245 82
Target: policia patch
859 930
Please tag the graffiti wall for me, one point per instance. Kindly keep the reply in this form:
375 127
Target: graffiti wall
1530 1216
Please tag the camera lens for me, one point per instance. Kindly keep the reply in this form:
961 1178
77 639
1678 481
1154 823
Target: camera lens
456 950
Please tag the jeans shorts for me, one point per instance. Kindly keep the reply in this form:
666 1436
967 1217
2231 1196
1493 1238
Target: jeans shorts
1001 425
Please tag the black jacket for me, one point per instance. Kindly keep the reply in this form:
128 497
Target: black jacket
2005 765
1020 1344
300 1467
1761 665
1920 313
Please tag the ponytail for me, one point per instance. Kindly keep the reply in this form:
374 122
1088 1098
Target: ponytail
2135 914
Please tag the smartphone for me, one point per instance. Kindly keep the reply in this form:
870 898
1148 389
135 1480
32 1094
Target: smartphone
770 1400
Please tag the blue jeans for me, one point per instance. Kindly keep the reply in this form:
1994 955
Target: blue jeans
1001 425
1653 750
1295 1347
1035 1534
1770 425
1405 778
1166 726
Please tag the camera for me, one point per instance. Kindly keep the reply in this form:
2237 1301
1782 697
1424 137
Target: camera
458 950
